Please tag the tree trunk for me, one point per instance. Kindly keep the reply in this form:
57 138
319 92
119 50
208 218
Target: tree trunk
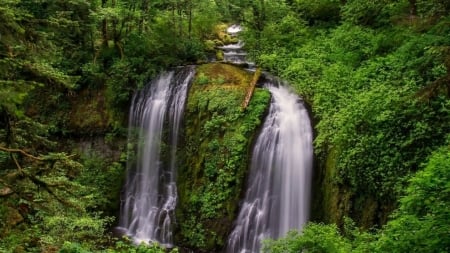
144 10
104 27
116 36
174 19
413 7
180 19
190 20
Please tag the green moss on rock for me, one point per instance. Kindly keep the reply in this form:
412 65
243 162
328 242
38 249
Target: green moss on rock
219 55
217 144
91 114
335 200
210 45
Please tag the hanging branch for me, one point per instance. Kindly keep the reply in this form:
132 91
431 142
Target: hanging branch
35 179
15 150
47 186
17 164
9 150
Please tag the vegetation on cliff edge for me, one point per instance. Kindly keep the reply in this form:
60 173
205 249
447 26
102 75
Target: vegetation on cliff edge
217 143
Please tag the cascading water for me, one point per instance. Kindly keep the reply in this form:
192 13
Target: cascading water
150 194
234 53
278 193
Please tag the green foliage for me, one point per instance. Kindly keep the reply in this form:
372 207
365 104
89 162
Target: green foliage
363 12
202 79
206 17
430 8
72 248
314 238
316 12
119 247
73 227
106 177
420 223
56 208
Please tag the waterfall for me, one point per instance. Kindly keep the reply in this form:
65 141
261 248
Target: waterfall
149 196
279 182
235 53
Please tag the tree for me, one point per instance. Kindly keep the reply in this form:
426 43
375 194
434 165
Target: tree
421 223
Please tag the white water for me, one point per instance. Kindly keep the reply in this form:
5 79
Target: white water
234 53
234 29
150 194
278 192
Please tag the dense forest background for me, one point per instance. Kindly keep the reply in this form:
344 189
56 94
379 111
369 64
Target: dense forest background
376 74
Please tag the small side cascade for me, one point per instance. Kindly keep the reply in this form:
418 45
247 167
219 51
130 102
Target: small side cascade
149 196
234 53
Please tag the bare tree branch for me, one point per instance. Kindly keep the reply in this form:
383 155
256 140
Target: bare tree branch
22 152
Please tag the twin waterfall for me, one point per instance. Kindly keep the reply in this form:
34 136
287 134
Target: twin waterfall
279 181
150 193
278 190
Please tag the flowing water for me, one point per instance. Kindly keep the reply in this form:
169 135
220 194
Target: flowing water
278 191
150 194
234 53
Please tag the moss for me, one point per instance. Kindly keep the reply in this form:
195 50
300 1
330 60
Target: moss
218 43
370 207
85 112
227 39
217 143
234 40
90 112
222 37
337 200
210 45
334 199
220 30
219 55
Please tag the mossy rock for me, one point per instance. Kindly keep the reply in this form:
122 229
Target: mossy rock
90 112
218 43
227 39
220 29
334 200
219 55
210 45
221 37
84 112
217 140
234 40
